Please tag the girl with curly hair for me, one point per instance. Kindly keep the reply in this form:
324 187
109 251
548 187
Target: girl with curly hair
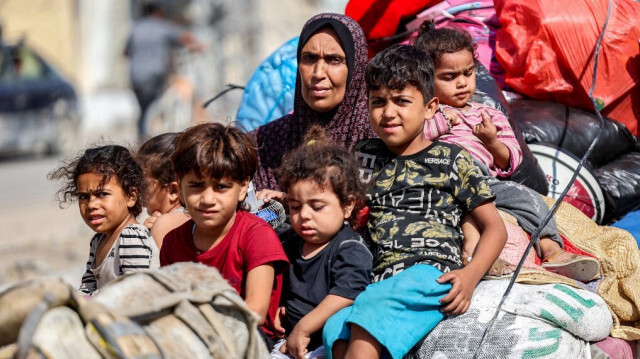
109 187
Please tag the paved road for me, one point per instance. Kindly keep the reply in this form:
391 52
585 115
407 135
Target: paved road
38 238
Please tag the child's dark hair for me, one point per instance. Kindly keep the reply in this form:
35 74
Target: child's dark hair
398 66
154 156
216 151
437 42
327 164
111 161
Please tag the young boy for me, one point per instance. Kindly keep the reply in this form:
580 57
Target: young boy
419 191
214 164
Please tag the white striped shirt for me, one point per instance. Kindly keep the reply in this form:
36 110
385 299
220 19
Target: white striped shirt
133 250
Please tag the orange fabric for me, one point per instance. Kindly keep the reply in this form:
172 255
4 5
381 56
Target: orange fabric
547 50
570 248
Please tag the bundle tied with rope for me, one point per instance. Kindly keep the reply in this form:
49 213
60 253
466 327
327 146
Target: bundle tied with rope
185 310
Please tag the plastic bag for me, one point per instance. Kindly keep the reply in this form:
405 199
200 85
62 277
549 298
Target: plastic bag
572 129
546 48
270 91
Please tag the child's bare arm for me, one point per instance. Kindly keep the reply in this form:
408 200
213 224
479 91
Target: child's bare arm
492 239
258 289
300 336
487 132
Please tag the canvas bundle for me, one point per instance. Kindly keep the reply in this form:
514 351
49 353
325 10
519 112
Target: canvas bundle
536 321
185 310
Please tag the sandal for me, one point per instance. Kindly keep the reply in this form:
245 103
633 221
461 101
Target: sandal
578 267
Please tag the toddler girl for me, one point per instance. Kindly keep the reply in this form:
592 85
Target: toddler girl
109 187
165 210
486 134
330 263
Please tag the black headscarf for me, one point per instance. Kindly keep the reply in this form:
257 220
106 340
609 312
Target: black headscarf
347 124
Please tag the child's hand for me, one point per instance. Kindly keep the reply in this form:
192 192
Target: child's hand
451 116
459 298
151 219
296 344
486 131
268 194
277 322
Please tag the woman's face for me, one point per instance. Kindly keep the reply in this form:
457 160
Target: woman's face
323 71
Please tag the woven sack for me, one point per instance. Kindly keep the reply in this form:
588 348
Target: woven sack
536 321
186 310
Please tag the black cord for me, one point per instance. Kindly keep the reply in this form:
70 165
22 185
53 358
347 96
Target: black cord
229 88
552 210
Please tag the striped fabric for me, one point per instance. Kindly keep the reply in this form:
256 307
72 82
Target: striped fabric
133 250
461 134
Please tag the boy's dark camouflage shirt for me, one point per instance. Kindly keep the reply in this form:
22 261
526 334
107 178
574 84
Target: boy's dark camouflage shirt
416 203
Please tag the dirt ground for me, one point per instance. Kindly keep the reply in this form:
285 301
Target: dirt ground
40 239
57 245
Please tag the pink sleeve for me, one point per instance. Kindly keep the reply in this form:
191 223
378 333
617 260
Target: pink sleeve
436 127
508 138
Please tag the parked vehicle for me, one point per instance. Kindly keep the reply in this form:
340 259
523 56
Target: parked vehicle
38 108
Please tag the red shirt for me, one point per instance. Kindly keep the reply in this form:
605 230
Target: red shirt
251 242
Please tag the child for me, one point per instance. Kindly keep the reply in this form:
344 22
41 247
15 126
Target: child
109 187
214 164
487 135
420 189
165 210
330 263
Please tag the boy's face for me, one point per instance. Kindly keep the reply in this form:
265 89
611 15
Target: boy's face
316 212
211 203
455 78
398 118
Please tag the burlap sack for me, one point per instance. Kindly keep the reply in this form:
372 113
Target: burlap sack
536 321
186 310
619 257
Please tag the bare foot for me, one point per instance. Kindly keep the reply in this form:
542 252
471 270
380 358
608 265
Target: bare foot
500 268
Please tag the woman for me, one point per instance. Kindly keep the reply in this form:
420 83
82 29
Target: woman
330 91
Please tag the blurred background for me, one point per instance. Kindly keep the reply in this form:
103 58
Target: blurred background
64 86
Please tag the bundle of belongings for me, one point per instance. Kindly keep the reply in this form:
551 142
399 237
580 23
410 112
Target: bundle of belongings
185 310
547 315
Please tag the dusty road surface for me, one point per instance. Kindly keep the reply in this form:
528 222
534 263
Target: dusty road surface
37 238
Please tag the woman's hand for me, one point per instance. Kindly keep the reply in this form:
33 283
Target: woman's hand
269 194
